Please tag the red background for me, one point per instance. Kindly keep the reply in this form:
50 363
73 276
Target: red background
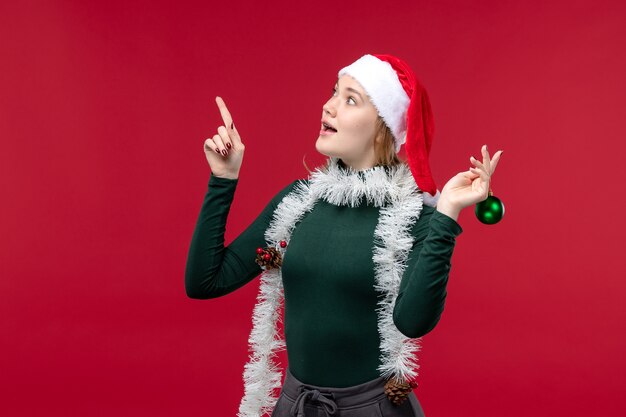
104 108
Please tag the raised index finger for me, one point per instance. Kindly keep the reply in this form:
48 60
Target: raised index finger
226 117
494 161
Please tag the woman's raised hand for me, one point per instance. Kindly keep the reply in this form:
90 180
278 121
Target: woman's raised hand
471 186
224 151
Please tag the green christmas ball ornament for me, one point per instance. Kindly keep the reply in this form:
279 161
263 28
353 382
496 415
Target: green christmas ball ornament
490 210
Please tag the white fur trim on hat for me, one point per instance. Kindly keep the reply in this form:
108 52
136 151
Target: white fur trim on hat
381 83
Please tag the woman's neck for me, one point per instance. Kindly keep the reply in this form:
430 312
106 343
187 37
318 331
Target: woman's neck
354 167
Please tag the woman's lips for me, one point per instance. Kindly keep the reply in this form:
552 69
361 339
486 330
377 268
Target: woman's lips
327 132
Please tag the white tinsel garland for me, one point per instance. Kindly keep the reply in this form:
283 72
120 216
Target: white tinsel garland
393 189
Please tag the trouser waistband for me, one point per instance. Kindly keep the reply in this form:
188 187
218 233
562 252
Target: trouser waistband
360 394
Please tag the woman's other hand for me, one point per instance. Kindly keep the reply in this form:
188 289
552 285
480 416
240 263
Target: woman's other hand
224 151
469 187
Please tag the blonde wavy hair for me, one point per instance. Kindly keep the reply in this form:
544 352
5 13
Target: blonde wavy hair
384 148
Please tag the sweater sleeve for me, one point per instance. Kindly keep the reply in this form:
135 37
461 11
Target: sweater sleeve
422 292
212 269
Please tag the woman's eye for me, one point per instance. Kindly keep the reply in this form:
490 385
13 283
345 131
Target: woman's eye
349 98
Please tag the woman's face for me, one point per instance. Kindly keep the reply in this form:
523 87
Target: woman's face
351 113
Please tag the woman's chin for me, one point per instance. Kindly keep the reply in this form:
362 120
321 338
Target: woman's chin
321 145
327 153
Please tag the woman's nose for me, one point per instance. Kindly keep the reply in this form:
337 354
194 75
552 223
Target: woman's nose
328 108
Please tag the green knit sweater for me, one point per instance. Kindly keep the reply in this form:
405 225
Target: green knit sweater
330 319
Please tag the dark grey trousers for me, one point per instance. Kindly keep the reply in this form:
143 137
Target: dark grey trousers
364 400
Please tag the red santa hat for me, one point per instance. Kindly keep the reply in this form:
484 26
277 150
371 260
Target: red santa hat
403 104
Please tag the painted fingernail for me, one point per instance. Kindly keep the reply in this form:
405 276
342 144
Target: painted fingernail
232 125
228 145
224 152
217 150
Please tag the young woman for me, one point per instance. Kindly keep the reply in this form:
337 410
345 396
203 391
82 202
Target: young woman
359 252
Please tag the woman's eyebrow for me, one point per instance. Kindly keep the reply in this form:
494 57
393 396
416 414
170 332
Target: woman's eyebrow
354 91
351 89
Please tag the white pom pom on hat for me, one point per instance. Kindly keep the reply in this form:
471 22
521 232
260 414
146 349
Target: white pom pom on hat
403 104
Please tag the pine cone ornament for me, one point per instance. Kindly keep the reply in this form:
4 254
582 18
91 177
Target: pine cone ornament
398 390
269 257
